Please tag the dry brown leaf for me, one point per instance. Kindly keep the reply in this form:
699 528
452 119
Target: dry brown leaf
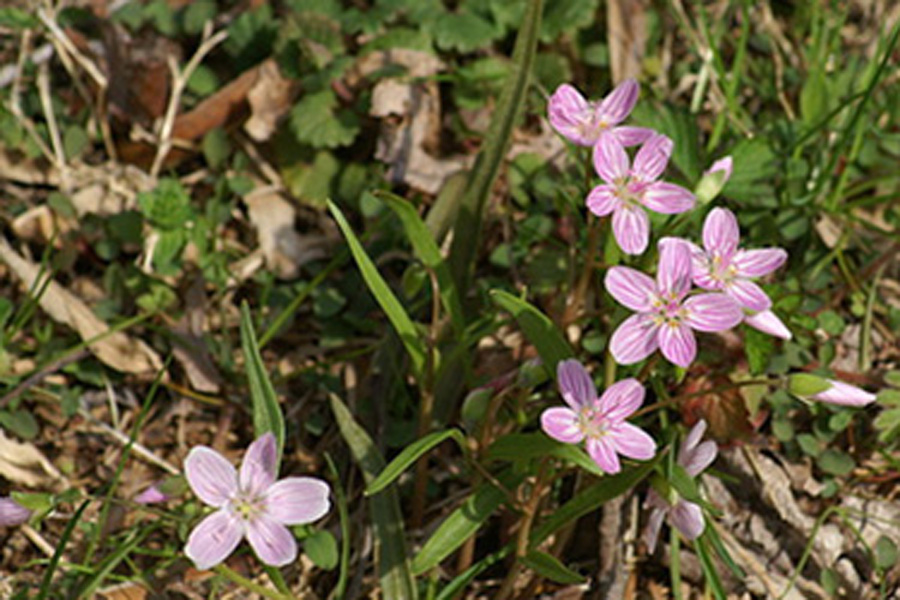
23 464
270 99
116 350
124 591
15 166
626 33
284 248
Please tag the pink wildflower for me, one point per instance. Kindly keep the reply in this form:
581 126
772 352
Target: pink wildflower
584 122
250 503
844 394
151 495
685 516
629 189
666 318
12 513
599 421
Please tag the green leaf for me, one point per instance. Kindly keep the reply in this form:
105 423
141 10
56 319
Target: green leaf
685 485
804 384
387 521
566 15
410 455
551 568
168 206
467 228
836 462
216 147
516 447
464 32
196 14
462 523
885 553
538 328
314 121
267 415
427 251
814 97
75 140
17 18
758 347
19 422
203 81
710 572
321 548
403 325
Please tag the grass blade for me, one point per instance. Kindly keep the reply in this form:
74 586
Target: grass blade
60 548
394 573
487 164
411 454
267 416
403 325
538 328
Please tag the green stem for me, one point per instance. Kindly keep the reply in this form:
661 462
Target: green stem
344 516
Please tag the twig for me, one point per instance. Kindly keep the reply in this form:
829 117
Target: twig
63 40
15 94
43 81
180 80
137 447
37 376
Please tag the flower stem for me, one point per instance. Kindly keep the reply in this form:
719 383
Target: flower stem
251 585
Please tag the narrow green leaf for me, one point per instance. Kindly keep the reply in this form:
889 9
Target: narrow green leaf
410 455
60 548
387 521
462 523
709 570
805 384
403 325
685 485
487 164
550 567
267 415
459 583
538 328
526 446
427 251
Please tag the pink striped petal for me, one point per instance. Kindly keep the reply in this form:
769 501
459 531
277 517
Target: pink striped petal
621 399
748 294
652 158
604 454
273 543
12 513
631 288
687 518
654 525
297 500
632 136
210 476
721 233
756 263
214 539
768 322
693 438
634 340
667 198
602 200
610 159
633 442
724 165
258 469
712 312
696 461
619 103
575 384
844 394
561 424
673 274
678 344
571 115
631 227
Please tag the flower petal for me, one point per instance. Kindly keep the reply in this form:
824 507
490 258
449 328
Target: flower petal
748 294
631 288
258 469
575 384
619 103
273 543
768 322
633 442
621 399
667 198
677 343
698 459
604 454
298 500
721 233
654 524
673 274
712 312
631 227
632 136
844 394
756 263
634 340
12 513
723 164
602 200
651 160
571 115
561 424
688 519
213 539
210 476
693 438
610 159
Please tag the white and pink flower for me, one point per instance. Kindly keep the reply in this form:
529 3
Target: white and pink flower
584 122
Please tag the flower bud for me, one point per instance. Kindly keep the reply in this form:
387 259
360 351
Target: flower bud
713 180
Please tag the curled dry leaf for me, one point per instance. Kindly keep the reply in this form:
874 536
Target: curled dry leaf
116 350
23 464
270 99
